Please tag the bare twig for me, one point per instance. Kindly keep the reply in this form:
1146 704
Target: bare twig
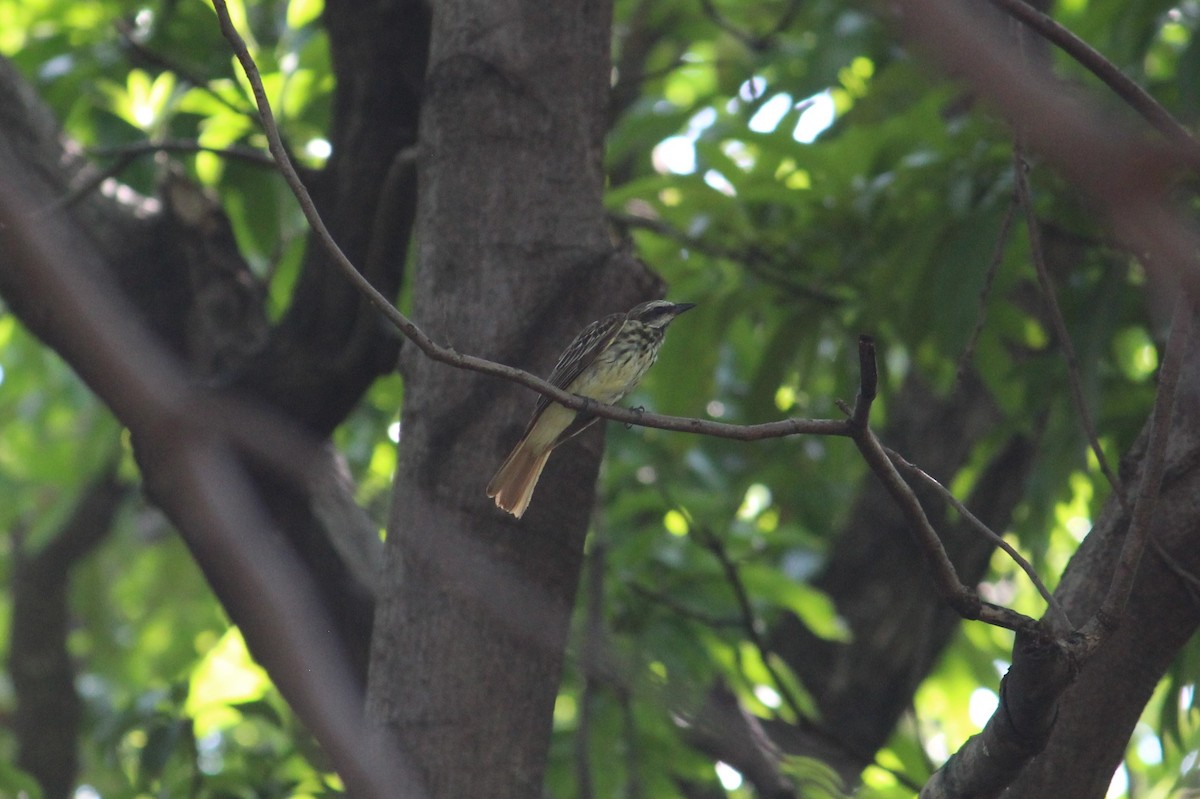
234 152
126 155
968 353
750 621
1074 380
759 262
754 41
156 59
962 599
1063 621
675 606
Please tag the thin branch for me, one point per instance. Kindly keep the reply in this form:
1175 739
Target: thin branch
750 621
754 41
1074 381
233 152
156 59
1128 90
1064 622
962 599
1190 580
125 156
679 608
758 262
989 278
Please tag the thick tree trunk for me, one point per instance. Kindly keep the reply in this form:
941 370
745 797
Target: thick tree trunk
514 258
1097 713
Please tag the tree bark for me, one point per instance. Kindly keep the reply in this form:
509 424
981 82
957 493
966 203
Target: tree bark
514 258
1097 713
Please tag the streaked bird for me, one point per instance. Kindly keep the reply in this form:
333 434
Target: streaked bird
604 363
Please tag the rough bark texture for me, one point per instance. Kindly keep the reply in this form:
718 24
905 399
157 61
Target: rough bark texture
514 258
1098 711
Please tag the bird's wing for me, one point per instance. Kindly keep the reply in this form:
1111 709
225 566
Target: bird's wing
579 355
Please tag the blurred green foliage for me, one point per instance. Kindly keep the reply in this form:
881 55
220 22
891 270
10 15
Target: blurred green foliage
804 183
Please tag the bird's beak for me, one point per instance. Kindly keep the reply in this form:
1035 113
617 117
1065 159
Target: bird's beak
680 307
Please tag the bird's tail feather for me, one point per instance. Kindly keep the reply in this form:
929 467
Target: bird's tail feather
513 485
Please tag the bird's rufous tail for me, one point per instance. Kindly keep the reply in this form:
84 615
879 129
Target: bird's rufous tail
513 485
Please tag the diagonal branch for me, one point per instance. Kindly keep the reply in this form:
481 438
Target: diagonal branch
962 599
1056 609
751 624
1021 179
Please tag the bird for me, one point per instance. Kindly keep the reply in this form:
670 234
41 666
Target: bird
605 362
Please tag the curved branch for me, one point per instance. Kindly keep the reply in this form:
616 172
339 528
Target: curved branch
1061 618
1024 196
1138 98
965 601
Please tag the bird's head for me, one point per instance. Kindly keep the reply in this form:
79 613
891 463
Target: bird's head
658 313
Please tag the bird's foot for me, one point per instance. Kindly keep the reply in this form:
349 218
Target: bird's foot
639 410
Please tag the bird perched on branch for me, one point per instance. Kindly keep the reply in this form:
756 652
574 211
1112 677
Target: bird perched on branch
604 363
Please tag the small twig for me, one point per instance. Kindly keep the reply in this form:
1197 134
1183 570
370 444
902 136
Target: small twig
1113 607
962 599
750 620
677 607
157 59
754 41
759 262
1128 90
968 353
1064 622
125 155
93 182
1074 381
1190 581
233 152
